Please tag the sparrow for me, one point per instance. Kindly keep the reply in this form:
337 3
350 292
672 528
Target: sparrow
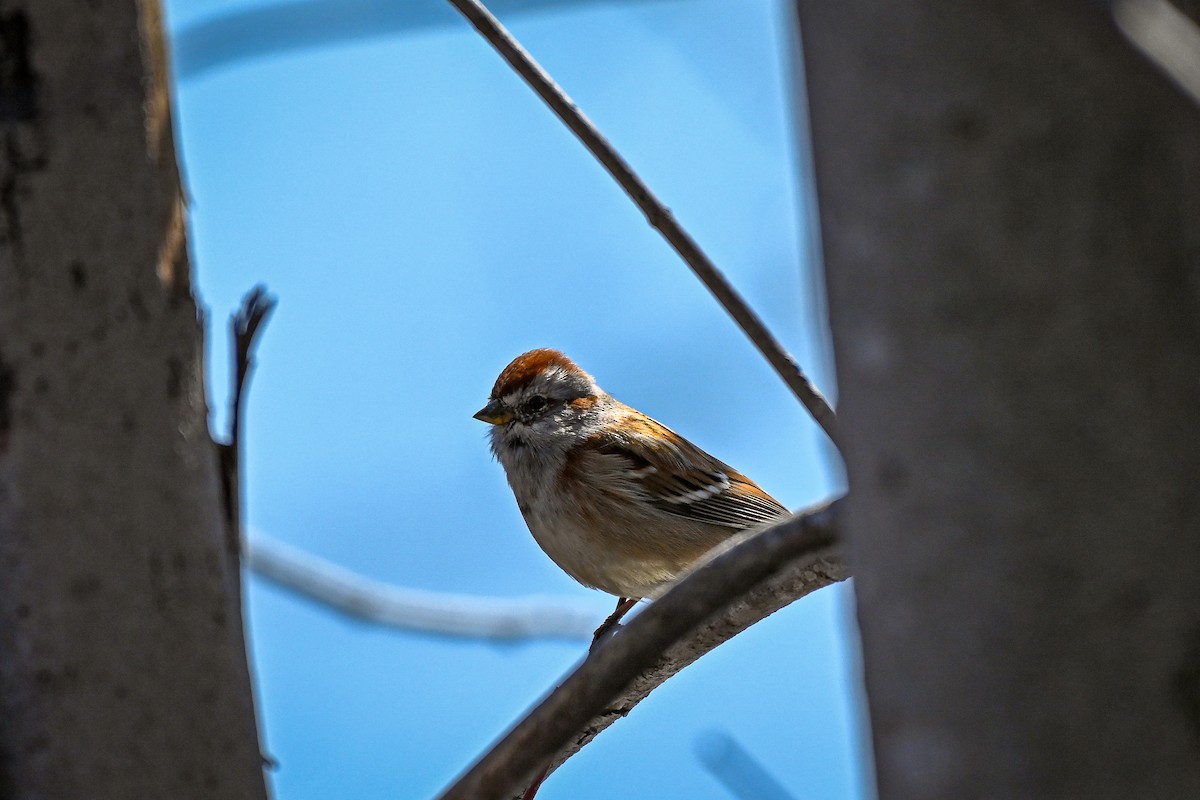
618 500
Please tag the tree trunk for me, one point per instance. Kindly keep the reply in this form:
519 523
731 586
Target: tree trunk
122 662
1010 205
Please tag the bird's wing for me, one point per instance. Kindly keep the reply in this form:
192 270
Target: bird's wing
681 479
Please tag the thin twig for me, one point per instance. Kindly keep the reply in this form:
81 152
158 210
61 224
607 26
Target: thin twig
439 613
245 326
753 578
256 308
657 214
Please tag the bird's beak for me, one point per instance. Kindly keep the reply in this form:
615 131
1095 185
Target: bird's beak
494 414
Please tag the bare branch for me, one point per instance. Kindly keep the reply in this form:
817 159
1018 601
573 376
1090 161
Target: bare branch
256 308
245 325
657 214
756 576
123 667
440 613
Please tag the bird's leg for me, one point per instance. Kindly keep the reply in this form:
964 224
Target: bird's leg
606 627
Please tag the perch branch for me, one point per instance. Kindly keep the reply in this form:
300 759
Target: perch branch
754 577
657 214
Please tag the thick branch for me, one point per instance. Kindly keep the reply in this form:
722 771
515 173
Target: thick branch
657 214
123 670
1008 199
753 578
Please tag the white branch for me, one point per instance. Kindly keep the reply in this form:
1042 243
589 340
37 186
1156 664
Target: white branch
441 613
1166 36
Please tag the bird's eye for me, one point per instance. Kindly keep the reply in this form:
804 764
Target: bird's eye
535 403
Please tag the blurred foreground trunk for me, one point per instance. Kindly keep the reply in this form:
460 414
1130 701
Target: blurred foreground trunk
1010 204
122 663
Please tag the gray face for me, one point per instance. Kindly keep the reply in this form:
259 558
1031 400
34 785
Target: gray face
548 412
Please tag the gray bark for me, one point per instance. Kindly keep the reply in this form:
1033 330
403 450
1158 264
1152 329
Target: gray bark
122 663
1010 204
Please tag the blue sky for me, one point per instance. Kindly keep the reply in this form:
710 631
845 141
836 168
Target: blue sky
423 219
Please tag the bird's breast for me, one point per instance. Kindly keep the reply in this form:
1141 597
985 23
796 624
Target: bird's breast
607 540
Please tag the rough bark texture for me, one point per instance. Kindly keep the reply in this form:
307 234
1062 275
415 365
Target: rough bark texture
122 663
1010 202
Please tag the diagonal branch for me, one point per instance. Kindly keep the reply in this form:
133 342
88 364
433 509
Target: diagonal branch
657 214
754 577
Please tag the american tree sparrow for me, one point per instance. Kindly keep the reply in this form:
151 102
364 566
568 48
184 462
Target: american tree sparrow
622 503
